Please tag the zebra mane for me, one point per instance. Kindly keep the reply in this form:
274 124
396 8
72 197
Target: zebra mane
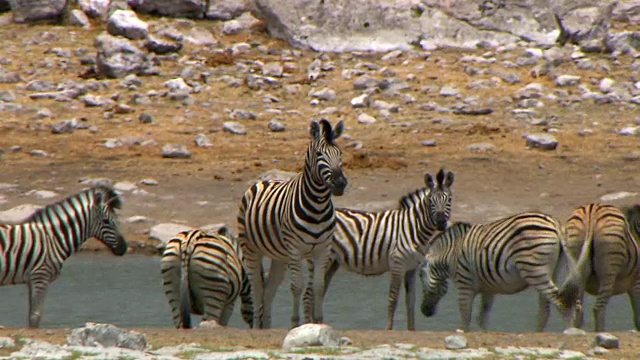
456 230
407 201
110 198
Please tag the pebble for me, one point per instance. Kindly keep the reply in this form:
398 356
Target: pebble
175 151
567 80
325 94
541 141
234 128
275 126
366 119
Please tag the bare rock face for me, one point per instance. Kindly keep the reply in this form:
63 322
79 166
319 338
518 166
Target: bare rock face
36 10
341 25
225 9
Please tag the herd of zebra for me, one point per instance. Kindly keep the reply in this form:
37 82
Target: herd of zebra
294 223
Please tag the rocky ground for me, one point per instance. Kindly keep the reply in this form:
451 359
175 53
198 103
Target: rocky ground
240 105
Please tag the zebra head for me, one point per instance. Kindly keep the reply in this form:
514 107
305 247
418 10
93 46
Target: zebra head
104 224
632 214
440 198
434 287
324 157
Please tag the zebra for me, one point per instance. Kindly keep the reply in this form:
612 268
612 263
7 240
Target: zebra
373 243
502 257
290 221
34 251
600 240
203 274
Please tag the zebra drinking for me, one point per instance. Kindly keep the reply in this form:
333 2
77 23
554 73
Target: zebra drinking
503 257
606 251
290 221
33 252
373 243
204 274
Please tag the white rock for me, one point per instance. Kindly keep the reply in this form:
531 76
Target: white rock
455 342
630 130
125 186
366 119
149 182
107 335
126 23
175 151
606 85
44 194
567 80
541 141
177 84
96 181
618 195
95 8
360 101
138 219
166 231
7 342
18 214
79 18
42 350
310 335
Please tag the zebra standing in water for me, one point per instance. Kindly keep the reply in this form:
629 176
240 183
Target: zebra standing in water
290 221
33 252
599 238
204 274
503 257
372 243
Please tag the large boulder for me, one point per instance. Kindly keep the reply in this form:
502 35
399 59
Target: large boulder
37 10
126 23
311 335
107 335
379 25
118 57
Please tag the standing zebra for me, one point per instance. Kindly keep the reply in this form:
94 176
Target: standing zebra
290 221
599 238
372 243
33 252
502 257
203 274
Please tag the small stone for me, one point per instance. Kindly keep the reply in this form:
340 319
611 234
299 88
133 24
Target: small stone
360 101
606 85
366 119
541 141
234 128
607 341
44 194
567 80
240 114
618 195
325 94
481 147
149 182
448 90
365 82
145 118
203 141
113 143
572 331
273 68
126 23
391 55
276 126
630 130
7 96
598 350
125 186
429 143
175 151
63 127
138 219
455 342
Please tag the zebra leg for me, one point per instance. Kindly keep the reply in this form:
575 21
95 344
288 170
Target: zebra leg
297 283
394 289
320 262
37 291
307 297
485 308
602 300
276 275
253 266
410 298
226 314
465 303
544 308
634 298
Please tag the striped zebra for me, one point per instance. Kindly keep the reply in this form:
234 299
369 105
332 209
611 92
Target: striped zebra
203 274
33 252
600 240
291 221
503 257
373 243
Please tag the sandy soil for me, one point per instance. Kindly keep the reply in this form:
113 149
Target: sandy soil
206 188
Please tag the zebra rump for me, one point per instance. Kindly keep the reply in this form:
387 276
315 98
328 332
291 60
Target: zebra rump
203 274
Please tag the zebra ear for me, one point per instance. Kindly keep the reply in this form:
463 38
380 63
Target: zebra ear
315 130
338 130
448 181
428 180
440 177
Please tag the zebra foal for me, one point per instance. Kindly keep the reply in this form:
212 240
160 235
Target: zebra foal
34 251
373 243
203 274
290 221
600 240
503 257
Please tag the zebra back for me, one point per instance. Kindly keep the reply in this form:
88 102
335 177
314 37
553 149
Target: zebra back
73 220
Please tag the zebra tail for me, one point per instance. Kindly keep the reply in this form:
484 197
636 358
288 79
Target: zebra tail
578 270
185 298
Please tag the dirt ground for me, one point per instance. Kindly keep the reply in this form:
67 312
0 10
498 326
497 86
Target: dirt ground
205 189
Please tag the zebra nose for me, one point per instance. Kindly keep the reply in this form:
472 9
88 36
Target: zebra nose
338 184
441 223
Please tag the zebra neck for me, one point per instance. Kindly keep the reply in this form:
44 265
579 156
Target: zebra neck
66 232
424 227
314 193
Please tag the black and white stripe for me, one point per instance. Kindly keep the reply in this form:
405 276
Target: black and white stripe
600 239
373 243
33 252
501 257
204 274
290 221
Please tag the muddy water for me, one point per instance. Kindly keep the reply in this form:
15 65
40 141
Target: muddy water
127 292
